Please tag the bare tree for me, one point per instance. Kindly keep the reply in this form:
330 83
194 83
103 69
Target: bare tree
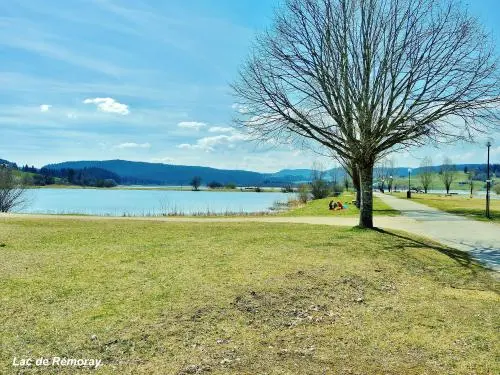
362 78
391 166
426 173
447 174
351 169
346 181
334 173
319 186
196 183
383 173
471 174
12 191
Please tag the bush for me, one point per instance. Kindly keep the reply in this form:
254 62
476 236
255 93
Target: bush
319 189
303 193
496 188
337 189
230 186
287 189
215 185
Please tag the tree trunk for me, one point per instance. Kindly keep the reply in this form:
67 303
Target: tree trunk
366 184
356 184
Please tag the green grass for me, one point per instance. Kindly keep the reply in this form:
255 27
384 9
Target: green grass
241 298
459 205
319 207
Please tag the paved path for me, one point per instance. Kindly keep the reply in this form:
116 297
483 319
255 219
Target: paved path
480 239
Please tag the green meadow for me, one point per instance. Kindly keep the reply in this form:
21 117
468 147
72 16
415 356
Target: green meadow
151 297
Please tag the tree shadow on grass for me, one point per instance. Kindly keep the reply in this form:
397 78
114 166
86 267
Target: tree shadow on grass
461 257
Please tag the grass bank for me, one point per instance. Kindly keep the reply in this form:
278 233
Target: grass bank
459 205
319 207
241 298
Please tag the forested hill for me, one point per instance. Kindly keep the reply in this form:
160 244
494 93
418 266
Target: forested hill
132 172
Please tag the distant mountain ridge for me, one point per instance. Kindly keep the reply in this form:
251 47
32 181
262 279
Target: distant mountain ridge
143 173
133 172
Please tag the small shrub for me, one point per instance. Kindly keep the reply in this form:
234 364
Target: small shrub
496 188
303 193
215 185
337 189
319 189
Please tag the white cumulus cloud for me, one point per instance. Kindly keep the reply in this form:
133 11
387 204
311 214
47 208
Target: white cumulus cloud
109 105
45 107
133 145
220 129
191 125
209 143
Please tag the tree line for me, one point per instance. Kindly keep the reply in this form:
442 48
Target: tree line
428 175
88 176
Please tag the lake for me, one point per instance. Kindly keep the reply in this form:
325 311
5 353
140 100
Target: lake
116 202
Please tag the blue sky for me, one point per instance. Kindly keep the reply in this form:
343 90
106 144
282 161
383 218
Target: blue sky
147 81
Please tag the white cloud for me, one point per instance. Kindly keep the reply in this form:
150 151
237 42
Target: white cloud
45 107
240 108
209 143
71 115
109 105
133 145
219 129
191 125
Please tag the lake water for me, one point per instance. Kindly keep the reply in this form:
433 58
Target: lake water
115 202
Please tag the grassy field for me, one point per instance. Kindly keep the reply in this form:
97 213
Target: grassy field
241 298
460 205
319 207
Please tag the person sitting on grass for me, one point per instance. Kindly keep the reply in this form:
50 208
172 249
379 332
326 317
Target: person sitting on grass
332 205
339 206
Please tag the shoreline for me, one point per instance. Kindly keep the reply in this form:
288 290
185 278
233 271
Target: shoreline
160 188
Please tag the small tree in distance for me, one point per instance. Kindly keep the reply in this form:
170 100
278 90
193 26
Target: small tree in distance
215 185
196 183
447 174
12 192
426 173
303 193
471 181
319 186
497 188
